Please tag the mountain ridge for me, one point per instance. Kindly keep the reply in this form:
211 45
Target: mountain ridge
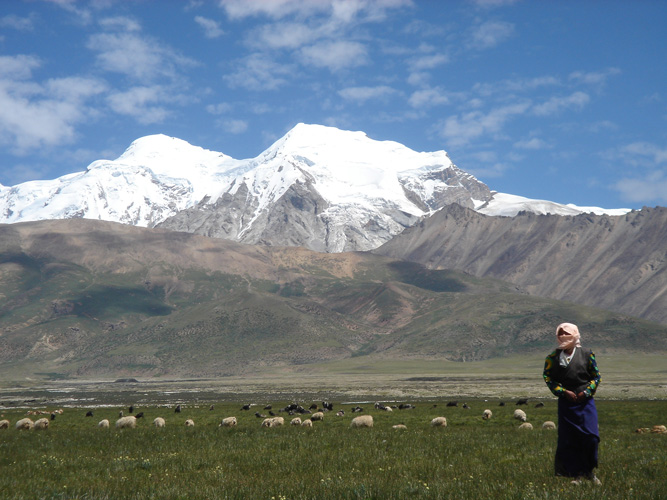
616 263
319 187
84 298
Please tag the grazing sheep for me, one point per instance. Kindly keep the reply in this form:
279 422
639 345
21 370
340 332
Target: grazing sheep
189 423
539 405
159 422
228 422
307 423
89 413
487 414
526 426
120 414
295 421
103 424
340 413
4 424
549 425
399 426
453 403
41 424
25 424
177 409
439 422
317 416
273 422
362 421
211 408
522 402
129 422
520 415
659 429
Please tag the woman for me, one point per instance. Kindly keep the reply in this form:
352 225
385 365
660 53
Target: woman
572 375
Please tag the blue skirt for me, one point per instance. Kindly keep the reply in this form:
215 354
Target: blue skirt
578 438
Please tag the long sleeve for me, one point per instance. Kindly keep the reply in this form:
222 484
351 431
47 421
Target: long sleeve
555 387
594 373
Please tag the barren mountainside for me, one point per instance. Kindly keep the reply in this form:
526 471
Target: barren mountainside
82 298
617 263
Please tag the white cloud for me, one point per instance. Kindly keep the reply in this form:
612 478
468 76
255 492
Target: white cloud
341 10
219 109
362 94
140 58
335 55
533 143
17 23
428 62
34 114
259 72
83 16
639 190
211 28
428 98
18 67
141 103
641 152
594 78
282 36
490 34
234 126
460 130
488 4
120 22
556 104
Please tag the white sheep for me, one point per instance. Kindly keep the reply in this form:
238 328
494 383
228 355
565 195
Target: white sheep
549 425
362 421
527 426
41 424
273 422
296 421
487 414
520 415
159 422
439 422
4 424
317 416
307 423
228 422
25 424
103 424
399 426
189 423
129 422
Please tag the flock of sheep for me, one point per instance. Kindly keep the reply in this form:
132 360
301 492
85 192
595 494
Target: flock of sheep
130 421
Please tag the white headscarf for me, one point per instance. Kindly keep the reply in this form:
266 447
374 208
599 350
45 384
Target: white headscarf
571 339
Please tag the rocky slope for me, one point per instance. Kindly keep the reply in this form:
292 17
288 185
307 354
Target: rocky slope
617 263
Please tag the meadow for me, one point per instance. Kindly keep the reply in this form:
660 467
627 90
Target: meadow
469 459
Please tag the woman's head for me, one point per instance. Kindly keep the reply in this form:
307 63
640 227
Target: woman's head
568 336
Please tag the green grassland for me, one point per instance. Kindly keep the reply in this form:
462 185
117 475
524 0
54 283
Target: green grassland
470 458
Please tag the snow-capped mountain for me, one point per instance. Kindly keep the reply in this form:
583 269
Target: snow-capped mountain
319 187
509 205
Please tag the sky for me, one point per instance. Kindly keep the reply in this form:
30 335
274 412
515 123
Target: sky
555 100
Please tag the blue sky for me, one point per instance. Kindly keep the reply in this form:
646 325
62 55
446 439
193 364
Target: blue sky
558 100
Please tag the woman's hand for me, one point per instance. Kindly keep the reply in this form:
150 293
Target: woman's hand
571 396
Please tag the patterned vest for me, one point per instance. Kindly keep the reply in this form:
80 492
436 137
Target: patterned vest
574 377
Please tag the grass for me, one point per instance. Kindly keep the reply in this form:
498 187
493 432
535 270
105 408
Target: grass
471 458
